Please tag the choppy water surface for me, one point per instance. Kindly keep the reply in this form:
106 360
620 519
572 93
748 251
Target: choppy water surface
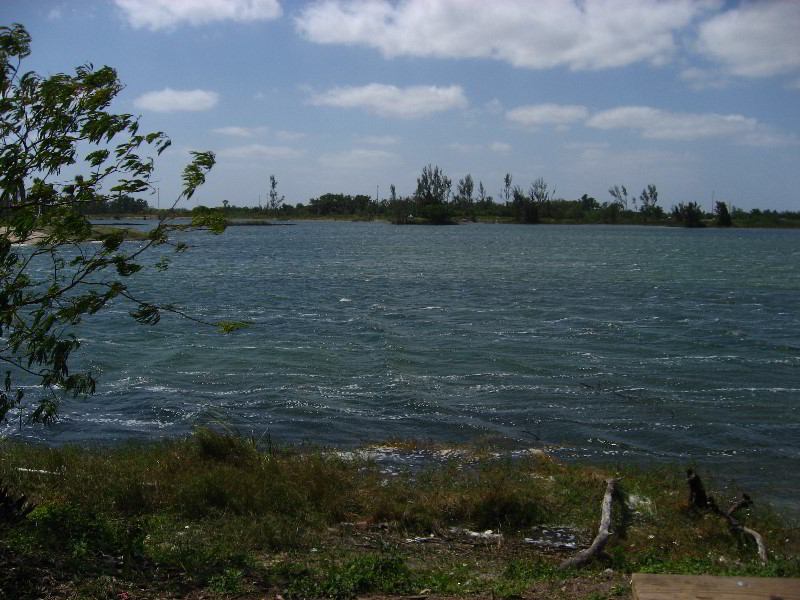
613 343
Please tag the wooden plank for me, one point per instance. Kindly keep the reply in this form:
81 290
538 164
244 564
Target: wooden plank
707 587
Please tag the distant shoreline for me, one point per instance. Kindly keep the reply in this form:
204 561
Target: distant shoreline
271 221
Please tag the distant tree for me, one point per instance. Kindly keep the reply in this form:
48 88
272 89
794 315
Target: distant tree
649 202
342 204
466 187
399 209
224 204
506 191
124 204
723 216
539 191
524 209
690 214
433 186
432 195
275 201
620 196
50 125
588 203
466 203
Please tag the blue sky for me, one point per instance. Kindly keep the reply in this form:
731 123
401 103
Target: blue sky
701 98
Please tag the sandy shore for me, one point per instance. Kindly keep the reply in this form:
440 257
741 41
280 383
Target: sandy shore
35 236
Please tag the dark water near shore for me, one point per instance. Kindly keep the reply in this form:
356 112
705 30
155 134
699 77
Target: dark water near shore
612 343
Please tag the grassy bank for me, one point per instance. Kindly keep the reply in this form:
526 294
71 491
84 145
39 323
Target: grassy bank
214 515
101 231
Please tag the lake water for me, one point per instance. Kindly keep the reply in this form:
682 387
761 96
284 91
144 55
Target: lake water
608 343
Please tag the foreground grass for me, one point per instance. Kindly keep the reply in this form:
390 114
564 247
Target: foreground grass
215 515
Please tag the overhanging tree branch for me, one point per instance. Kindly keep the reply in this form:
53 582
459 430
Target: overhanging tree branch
47 288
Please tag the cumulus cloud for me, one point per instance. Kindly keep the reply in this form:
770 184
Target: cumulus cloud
290 136
594 34
169 100
358 159
391 101
381 140
755 39
547 114
235 131
259 152
586 145
702 79
500 147
166 14
659 124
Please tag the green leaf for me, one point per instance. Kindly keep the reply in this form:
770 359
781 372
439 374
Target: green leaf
230 326
213 221
147 314
194 174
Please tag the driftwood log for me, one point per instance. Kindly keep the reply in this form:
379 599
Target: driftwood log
737 527
600 541
699 499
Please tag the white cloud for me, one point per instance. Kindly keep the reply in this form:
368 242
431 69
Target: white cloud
767 138
703 79
290 136
756 39
381 140
259 152
246 132
358 159
169 100
581 146
494 107
591 34
55 13
464 148
658 124
500 147
547 114
166 14
392 101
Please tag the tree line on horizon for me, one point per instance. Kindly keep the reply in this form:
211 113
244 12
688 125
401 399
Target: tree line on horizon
437 201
